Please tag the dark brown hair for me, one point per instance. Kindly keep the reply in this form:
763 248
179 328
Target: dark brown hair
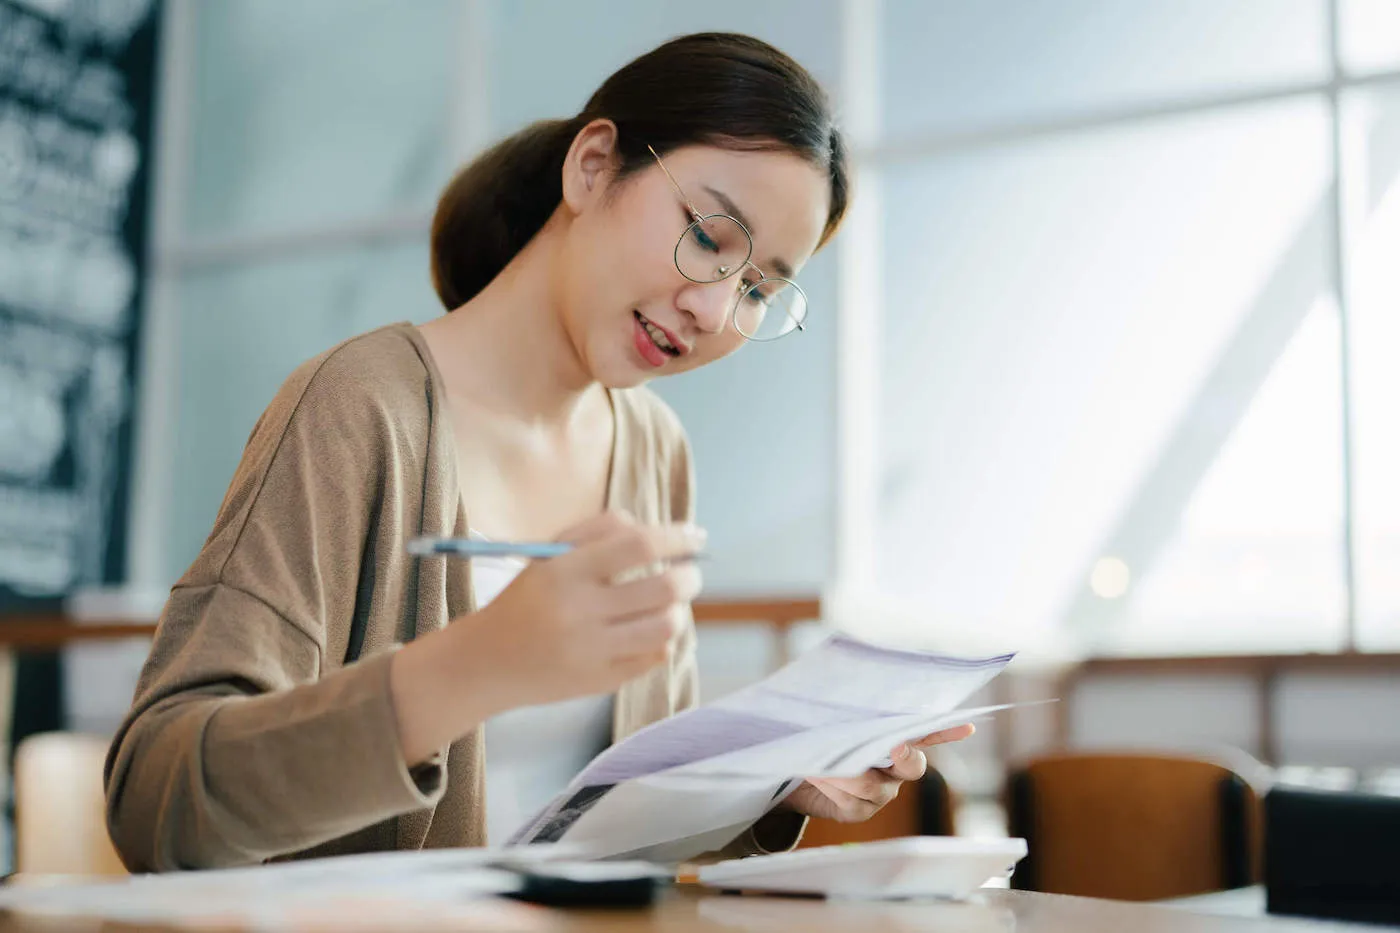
721 89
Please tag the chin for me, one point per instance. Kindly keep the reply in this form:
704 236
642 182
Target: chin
619 373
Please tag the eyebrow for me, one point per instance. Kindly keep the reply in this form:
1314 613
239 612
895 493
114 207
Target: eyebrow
779 266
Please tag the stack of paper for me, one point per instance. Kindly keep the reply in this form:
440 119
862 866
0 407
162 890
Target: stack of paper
386 890
691 783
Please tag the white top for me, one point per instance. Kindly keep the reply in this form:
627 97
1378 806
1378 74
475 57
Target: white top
534 751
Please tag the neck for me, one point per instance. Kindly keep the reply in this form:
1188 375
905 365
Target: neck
507 348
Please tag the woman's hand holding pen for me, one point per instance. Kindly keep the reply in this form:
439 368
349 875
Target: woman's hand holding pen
579 624
586 622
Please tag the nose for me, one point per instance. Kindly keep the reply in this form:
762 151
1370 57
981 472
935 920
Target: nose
709 304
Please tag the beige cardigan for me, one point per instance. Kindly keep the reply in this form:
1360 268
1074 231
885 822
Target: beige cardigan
249 738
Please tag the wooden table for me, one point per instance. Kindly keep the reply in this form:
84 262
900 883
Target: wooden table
995 910
692 910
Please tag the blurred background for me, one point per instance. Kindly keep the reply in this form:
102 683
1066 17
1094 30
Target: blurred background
1102 368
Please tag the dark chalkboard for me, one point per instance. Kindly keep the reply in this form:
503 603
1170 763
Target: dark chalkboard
77 82
77 98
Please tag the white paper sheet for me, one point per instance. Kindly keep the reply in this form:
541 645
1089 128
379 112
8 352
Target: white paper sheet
836 711
347 892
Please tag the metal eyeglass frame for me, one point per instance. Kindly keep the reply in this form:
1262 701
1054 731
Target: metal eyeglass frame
727 273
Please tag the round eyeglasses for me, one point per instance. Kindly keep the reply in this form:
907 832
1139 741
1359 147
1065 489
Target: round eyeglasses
716 247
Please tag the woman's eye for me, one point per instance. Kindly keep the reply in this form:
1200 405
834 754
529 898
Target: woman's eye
754 294
705 240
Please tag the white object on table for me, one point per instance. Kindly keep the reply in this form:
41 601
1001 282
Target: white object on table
911 866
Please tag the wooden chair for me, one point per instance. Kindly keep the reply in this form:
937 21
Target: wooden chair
1132 827
60 811
924 809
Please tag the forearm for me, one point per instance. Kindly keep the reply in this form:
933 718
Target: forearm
442 688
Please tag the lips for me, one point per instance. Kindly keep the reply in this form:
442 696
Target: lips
654 343
653 355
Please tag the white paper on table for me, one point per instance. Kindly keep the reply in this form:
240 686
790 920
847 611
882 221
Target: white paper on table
842 705
439 885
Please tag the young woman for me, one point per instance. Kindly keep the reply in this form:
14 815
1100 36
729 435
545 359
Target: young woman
314 690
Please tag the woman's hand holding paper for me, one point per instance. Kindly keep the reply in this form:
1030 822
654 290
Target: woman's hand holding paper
855 799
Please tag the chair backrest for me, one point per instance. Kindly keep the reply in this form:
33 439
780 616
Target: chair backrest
922 809
1132 827
60 813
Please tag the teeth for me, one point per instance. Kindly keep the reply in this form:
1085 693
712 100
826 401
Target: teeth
657 335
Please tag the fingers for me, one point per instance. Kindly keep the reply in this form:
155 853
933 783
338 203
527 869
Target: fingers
675 586
618 545
858 798
598 527
908 764
873 787
846 806
647 638
614 546
955 734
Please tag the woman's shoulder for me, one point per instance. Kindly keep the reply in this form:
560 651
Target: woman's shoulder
356 395
385 361
378 371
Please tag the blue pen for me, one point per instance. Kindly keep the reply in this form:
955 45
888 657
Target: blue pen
476 547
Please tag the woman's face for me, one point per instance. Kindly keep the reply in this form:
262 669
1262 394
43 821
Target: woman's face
629 312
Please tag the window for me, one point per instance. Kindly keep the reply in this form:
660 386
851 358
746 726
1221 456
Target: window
1075 329
1370 34
951 66
1373 128
1111 361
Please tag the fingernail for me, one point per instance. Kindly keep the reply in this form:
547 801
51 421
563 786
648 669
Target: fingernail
904 752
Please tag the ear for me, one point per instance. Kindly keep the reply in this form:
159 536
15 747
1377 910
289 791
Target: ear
590 163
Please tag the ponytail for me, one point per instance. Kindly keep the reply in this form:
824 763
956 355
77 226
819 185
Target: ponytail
495 205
